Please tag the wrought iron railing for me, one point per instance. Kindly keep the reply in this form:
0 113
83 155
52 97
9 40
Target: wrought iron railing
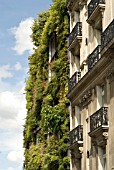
76 135
74 80
99 118
94 57
107 35
77 31
93 4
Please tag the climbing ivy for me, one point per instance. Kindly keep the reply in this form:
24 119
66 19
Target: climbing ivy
46 130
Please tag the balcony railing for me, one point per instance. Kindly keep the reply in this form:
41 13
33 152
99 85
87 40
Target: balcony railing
93 5
77 31
76 135
74 80
107 35
94 57
99 119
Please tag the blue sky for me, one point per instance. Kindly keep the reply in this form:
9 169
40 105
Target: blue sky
15 47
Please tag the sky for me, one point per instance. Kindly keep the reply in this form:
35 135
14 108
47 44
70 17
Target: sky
16 19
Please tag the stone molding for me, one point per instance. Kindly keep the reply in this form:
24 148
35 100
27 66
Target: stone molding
86 98
101 140
81 150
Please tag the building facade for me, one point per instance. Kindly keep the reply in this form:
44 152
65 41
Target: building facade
91 84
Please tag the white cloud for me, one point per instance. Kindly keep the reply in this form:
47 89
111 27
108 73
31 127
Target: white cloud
5 71
11 104
4 85
11 140
12 115
8 71
16 156
12 118
22 36
10 168
17 168
17 66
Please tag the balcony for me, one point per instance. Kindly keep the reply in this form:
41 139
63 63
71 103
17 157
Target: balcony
75 36
94 57
76 136
107 38
99 122
74 80
95 12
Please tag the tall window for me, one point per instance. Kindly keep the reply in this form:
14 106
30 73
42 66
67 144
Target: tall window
104 158
52 46
100 96
52 53
73 117
103 95
78 116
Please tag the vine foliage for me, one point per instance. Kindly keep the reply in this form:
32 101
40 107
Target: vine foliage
46 130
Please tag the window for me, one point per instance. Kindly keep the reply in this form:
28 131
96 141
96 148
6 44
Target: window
52 47
104 158
52 53
73 117
78 116
75 63
103 95
100 96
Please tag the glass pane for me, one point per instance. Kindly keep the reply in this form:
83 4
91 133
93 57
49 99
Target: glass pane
104 158
103 96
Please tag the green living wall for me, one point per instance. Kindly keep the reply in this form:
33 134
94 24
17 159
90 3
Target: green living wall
46 130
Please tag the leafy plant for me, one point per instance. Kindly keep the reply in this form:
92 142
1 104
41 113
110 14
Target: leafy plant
46 128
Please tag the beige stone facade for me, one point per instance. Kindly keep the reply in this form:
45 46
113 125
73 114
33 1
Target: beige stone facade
91 84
